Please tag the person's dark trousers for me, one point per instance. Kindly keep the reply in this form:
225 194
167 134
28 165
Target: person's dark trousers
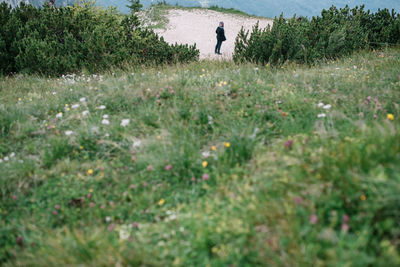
218 47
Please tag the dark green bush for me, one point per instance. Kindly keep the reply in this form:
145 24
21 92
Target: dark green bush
68 39
335 33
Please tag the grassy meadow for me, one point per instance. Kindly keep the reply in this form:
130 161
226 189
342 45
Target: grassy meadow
205 164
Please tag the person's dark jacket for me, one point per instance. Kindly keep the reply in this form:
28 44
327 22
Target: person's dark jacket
220 34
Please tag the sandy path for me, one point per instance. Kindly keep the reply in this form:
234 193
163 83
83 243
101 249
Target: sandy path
198 26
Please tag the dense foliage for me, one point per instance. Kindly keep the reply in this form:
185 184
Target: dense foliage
69 39
335 33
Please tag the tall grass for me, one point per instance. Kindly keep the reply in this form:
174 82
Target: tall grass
219 164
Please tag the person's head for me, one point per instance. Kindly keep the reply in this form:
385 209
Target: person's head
221 24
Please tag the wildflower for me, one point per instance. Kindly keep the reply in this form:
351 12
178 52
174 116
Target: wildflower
150 168
161 202
205 164
90 171
125 122
313 219
227 144
105 122
320 104
91 204
327 106
137 143
19 99
75 106
110 227
345 218
20 241
83 99
54 212
205 154
108 219
205 177
363 197
289 143
59 115
390 117
298 200
105 116
103 206
102 107
85 113
68 133
6 158
345 227
168 167
68 109
322 115
57 207
213 148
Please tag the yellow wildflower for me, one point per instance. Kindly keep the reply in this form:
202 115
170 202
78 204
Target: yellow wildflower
227 144
161 202
205 164
213 148
363 198
90 190
81 147
390 116
19 99
90 171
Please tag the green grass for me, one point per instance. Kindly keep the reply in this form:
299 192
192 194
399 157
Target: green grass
281 186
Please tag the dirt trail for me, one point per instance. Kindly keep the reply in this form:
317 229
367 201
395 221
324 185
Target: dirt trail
198 26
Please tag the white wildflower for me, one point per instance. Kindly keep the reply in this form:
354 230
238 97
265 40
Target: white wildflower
205 154
75 106
83 99
327 106
59 115
137 143
102 107
54 93
6 158
125 122
322 115
105 116
12 155
210 120
108 219
85 113
107 135
1 161
105 122
320 104
68 133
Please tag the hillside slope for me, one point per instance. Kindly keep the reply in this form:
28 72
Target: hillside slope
209 163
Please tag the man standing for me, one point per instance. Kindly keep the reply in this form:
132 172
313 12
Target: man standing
220 38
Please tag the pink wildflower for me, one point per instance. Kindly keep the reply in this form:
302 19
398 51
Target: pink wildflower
205 177
168 167
313 219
